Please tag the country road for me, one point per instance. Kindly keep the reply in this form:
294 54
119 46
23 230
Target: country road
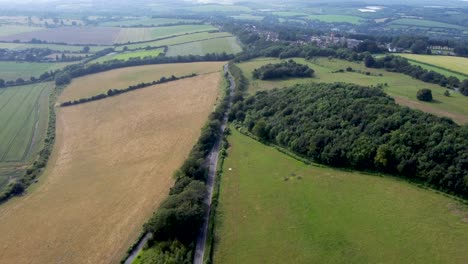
212 162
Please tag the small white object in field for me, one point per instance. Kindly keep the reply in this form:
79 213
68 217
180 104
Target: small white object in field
230 169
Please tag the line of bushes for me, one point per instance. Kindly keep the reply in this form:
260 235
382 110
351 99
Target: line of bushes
179 218
114 92
18 186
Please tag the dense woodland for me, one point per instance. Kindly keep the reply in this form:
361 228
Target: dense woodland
345 125
285 69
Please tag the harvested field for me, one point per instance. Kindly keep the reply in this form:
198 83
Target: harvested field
70 35
121 78
111 167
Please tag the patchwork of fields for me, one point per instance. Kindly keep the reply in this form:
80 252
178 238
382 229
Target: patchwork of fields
24 117
147 22
275 209
94 84
401 87
89 207
101 35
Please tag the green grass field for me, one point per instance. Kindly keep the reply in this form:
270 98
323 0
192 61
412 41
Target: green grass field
219 45
400 86
424 23
129 55
289 14
64 48
23 115
177 40
148 21
218 8
10 70
336 19
129 35
275 209
456 65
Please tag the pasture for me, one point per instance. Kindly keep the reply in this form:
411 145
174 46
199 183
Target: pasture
129 55
218 45
456 65
248 17
94 84
10 70
275 209
423 23
111 167
402 87
192 37
24 117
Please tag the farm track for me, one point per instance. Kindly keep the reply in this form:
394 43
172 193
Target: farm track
212 162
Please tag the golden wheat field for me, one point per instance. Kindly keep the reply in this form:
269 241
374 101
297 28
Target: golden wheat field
112 165
94 84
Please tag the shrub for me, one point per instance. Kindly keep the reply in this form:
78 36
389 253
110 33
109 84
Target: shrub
424 95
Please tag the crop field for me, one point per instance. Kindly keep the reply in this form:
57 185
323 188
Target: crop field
23 115
112 165
69 35
336 19
275 209
129 55
63 48
219 45
449 63
289 14
147 22
94 84
10 70
6 30
424 23
178 40
402 87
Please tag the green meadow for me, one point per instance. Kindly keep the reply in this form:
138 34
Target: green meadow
275 209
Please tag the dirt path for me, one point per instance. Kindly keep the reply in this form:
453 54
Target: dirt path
212 162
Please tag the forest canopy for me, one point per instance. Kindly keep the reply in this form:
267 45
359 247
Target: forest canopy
345 125
285 69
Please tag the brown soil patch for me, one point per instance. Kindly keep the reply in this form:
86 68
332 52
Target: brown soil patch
458 118
94 84
111 167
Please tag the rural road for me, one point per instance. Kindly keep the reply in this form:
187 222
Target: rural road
212 162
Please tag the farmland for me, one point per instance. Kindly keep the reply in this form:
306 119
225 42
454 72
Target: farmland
336 19
23 115
107 154
424 23
129 55
456 65
275 209
219 45
121 78
6 30
248 17
147 22
401 87
10 70
177 40
63 48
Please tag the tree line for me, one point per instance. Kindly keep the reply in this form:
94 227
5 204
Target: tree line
402 65
345 125
114 92
176 223
283 69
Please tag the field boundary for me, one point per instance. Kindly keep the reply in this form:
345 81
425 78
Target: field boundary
438 67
